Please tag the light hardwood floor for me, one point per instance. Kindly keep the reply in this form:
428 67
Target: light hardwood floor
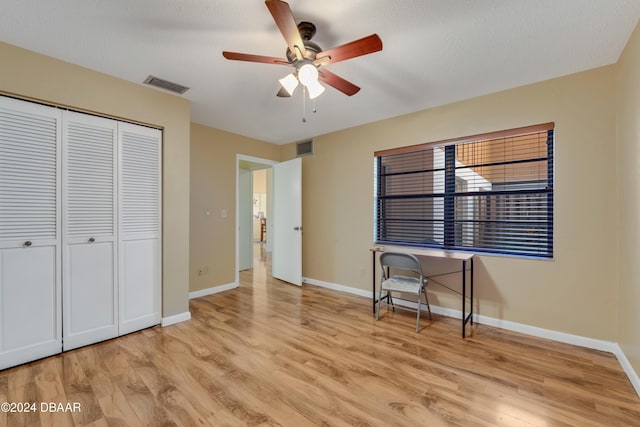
269 353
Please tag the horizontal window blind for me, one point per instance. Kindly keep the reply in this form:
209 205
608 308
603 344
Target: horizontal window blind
490 193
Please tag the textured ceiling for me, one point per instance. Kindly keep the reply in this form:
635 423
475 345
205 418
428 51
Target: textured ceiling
435 51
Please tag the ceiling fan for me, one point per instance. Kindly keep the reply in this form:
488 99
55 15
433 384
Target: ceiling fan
308 58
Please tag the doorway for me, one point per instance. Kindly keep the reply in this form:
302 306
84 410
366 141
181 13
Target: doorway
254 209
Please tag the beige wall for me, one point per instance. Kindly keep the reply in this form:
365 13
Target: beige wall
260 181
629 199
213 189
28 74
576 292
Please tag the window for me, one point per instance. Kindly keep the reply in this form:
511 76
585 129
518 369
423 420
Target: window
488 193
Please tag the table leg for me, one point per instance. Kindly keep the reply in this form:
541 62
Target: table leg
471 309
464 296
373 281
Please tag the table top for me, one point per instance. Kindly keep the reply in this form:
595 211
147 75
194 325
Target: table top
437 253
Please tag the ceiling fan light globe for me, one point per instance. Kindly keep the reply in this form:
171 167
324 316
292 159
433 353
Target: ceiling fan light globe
315 90
308 74
289 83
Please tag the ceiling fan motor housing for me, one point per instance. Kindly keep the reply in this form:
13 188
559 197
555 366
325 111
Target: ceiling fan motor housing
307 31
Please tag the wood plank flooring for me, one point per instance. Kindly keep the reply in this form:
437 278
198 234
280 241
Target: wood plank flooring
269 354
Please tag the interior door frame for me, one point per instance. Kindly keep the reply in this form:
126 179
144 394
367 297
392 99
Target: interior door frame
245 219
239 158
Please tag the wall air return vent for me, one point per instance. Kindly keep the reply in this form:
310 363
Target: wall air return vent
304 148
166 85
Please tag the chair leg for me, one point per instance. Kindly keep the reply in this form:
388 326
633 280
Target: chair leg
379 302
427 300
418 315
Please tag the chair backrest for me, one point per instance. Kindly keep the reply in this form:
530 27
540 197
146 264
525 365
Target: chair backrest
400 260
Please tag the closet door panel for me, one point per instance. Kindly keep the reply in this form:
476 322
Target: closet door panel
30 325
30 279
140 222
141 294
90 294
90 298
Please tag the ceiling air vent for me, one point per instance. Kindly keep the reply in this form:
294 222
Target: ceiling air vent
166 85
304 148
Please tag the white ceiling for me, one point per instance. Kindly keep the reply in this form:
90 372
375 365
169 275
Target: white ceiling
435 51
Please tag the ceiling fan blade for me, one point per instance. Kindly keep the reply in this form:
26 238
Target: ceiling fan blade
281 13
338 82
235 56
282 93
356 48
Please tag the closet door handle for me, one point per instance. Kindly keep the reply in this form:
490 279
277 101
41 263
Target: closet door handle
28 243
92 239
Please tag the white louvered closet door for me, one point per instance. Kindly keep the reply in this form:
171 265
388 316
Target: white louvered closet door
30 319
140 186
90 297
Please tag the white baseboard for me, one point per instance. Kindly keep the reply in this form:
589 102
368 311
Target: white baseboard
176 318
628 369
335 287
608 346
212 290
563 337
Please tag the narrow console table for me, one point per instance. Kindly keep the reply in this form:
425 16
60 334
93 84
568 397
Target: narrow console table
463 257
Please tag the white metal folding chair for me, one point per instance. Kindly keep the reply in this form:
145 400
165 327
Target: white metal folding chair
399 262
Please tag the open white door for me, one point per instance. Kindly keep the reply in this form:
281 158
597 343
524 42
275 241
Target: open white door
287 221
